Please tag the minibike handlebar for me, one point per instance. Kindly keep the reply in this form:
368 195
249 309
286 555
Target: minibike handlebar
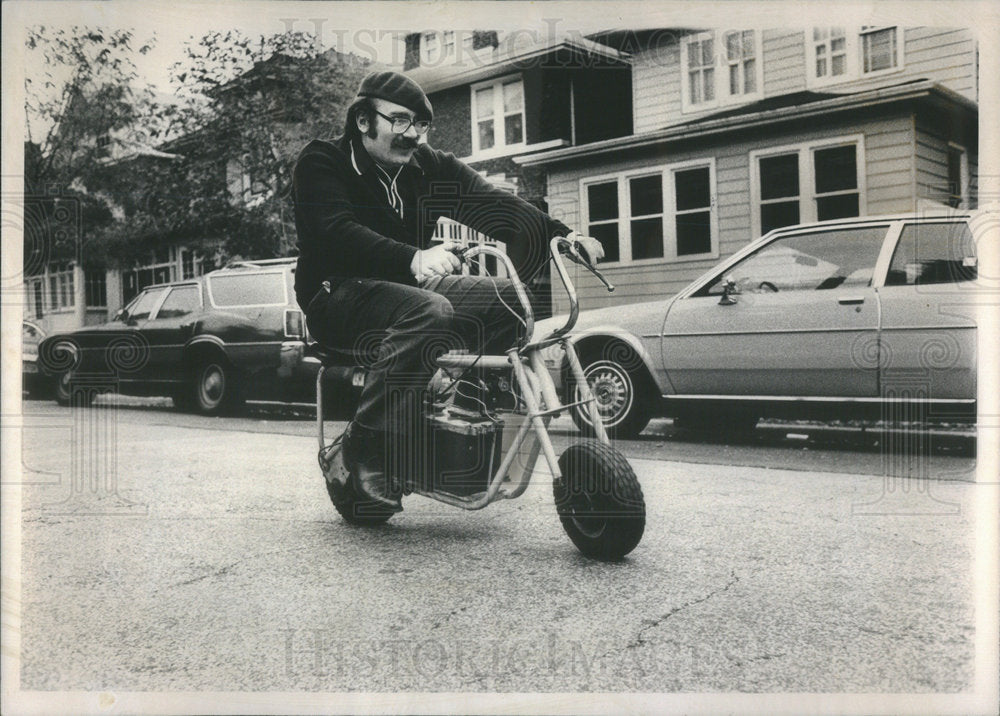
558 247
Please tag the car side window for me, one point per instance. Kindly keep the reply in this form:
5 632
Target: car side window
181 301
935 252
139 309
820 261
248 289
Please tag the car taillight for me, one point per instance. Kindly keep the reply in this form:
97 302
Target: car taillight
294 324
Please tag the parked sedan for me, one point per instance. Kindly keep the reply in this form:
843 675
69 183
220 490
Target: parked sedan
863 317
211 343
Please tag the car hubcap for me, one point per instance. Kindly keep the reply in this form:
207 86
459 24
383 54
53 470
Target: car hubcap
612 390
213 385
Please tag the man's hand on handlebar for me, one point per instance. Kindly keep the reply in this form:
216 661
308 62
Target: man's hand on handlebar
591 248
439 260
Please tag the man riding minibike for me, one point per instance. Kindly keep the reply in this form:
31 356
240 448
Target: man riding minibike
369 279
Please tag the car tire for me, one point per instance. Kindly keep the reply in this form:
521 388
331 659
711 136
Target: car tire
213 388
626 393
62 390
599 500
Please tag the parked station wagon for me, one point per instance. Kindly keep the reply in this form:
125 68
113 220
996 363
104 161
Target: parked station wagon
863 317
211 343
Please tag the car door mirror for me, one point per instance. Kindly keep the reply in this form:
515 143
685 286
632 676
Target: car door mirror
729 291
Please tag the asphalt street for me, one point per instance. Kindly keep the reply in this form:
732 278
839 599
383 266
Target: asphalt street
206 556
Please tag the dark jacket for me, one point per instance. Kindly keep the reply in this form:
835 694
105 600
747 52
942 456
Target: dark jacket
347 227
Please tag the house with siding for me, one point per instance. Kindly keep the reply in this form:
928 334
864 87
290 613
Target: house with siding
499 98
737 132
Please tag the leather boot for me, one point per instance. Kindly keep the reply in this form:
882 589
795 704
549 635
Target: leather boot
364 457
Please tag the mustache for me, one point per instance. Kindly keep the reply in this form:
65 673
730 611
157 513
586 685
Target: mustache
405 143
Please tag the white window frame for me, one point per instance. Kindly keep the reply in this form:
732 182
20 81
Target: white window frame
666 174
60 289
449 43
95 278
854 55
807 176
720 66
499 148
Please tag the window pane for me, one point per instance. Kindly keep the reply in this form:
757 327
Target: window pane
838 64
955 177
139 311
691 189
694 233
484 102
607 234
694 55
695 87
880 50
750 76
836 169
748 50
933 253
840 206
513 129
779 176
602 200
709 85
486 134
179 302
513 97
647 238
774 216
807 262
732 46
821 67
646 194
707 51
734 79
248 290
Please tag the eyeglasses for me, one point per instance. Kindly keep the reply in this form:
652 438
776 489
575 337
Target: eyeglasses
401 124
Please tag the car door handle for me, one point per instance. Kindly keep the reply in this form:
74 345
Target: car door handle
851 300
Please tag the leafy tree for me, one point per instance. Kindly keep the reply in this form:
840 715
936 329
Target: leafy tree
245 107
79 86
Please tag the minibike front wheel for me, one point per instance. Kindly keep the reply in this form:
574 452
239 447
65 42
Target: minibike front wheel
599 500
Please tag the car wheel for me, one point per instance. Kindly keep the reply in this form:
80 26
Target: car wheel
213 389
625 392
62 389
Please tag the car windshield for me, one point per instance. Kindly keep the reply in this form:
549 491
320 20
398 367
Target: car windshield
141 306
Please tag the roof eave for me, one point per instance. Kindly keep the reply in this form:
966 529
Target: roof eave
434 82
917 90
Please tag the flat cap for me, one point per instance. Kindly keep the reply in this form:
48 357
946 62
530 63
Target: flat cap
394 87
